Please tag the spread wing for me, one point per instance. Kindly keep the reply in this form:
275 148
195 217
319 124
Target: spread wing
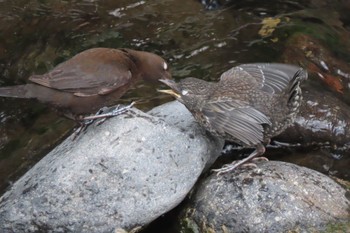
243 123
236 117
273 78
93 72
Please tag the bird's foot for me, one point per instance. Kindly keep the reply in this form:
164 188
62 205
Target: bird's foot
260 149
101 116
249 165
88 120
105 113
259 159
278 144
226 168
232 166
80 129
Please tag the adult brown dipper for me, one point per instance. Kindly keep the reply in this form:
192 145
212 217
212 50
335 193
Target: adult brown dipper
91 80
250 104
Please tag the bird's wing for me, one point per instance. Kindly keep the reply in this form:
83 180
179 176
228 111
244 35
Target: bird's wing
89 75
272 78
236 119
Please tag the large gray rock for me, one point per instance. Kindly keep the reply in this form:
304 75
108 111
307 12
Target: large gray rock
177 114
275 197
121 174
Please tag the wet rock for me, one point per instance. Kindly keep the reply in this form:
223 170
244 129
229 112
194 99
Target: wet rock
323 123
322 128
321 160
119 175
275 197
323 119
320 135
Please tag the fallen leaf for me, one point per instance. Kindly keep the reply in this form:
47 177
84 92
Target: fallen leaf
269 26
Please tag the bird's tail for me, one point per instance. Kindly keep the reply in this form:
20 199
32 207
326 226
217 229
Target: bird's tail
18 91
294 91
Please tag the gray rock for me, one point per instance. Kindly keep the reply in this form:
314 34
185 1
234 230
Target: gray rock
175 113
275 197
119 175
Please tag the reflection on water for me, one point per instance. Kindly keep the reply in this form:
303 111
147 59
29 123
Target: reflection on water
37 35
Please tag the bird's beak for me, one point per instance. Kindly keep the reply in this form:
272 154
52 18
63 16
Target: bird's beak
174 89
170 92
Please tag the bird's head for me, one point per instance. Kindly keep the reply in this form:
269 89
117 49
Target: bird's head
188 91
151 66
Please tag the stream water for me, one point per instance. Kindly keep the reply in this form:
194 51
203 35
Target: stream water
36 35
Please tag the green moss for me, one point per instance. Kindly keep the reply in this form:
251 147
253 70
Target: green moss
337 227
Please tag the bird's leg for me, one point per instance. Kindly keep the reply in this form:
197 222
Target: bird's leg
103 114
259 150
83 124
278 144
88 120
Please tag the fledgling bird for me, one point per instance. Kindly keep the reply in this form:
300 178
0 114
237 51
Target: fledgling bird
90 80
250 104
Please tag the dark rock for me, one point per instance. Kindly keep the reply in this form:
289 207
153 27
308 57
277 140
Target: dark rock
121 174
322 128
275 197
323 120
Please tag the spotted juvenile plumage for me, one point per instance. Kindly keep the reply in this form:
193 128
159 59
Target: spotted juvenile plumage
250 104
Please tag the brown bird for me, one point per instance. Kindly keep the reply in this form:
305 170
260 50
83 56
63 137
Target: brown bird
91 80
250 104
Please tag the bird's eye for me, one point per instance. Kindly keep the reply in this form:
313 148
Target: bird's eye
165 66
184 92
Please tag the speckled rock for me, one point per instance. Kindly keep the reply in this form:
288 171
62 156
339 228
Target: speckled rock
275 197
119 175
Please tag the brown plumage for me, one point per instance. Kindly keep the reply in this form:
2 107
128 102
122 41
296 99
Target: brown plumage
250 104
91 80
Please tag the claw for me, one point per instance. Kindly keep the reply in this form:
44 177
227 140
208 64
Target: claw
101 116
115 112
260 149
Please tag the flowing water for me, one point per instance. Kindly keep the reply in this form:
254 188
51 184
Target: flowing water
36 35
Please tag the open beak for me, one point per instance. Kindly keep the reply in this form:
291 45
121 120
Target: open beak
170 92
174 89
